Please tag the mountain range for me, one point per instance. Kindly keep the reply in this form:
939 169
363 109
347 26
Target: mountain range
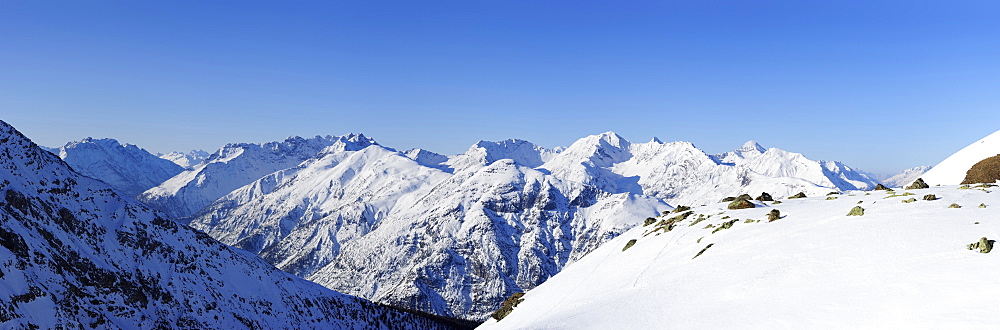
500 218
903 258
447 235
76 253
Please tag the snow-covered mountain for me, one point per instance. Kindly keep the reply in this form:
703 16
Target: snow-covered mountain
127 168
75 254
682 174
953 169
376 223
236 165
904 263
500 218
187 160
905 177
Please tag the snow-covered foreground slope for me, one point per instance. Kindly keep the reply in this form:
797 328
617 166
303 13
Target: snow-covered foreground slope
187 160
75 254
236 165
900 265
953 169
127 168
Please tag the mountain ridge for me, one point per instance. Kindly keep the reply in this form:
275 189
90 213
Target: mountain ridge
74 253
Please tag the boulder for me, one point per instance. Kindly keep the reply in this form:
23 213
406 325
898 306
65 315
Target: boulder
856 211
741 204
508 306
765 197
773 215
918 184
629 244
984 245
881 187
799 195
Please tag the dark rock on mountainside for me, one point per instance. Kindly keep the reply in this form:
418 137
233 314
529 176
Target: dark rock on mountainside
985 171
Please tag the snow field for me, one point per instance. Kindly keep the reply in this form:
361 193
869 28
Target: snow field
899 265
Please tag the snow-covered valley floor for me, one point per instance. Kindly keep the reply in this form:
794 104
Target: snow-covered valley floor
900 265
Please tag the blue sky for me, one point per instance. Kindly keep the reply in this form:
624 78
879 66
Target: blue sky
880 85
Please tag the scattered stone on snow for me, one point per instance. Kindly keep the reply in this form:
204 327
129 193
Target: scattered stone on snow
984 245
856 211
773 215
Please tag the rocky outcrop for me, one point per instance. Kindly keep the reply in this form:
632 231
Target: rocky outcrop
985 171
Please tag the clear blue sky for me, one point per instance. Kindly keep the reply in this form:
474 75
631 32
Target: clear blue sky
880 85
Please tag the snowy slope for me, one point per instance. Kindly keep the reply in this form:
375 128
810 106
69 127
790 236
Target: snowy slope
127 168
900 265
906 176
952 170
236 165
187 160
76 254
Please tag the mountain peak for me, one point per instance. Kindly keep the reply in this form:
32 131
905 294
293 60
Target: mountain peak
613 139
752 146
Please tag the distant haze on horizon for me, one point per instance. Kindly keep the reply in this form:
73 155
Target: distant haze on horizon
881 86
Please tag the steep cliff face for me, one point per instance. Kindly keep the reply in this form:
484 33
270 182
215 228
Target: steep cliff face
76 254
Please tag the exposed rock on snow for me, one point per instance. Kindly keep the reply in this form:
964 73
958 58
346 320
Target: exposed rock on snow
918 184
985 171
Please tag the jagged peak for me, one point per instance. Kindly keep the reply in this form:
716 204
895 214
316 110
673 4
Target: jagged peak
604 140
613 139
523 152
656 140
102 142
504 143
